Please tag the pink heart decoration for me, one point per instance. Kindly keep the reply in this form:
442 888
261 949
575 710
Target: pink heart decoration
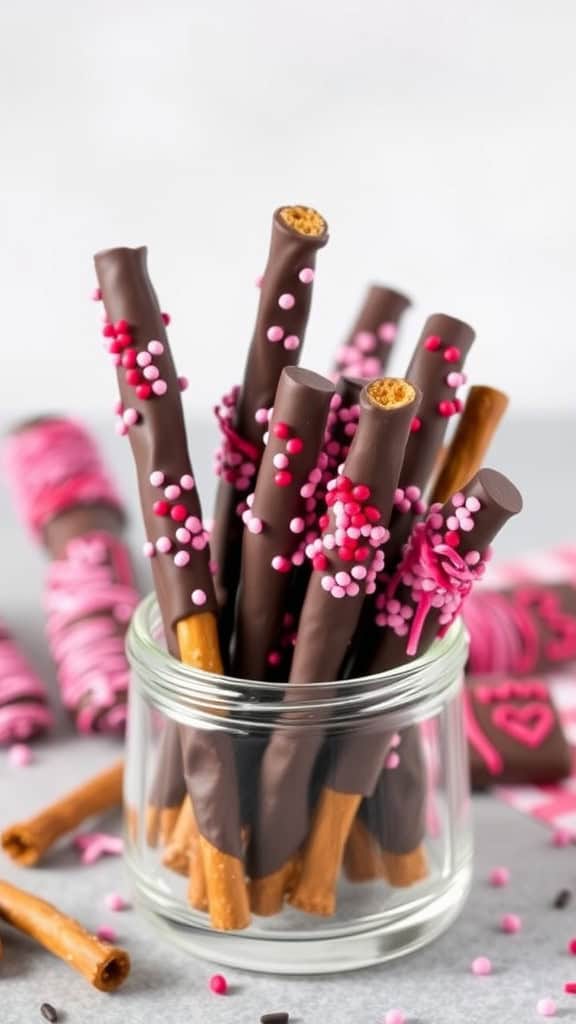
529 724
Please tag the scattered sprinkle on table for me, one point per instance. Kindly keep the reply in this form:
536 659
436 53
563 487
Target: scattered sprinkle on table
570 988
218 984
572 947
510 924
20 755
546 1007
562 899
562 837
395 1016
499 877
115 901
106 934
280 1017
481 966
48 1012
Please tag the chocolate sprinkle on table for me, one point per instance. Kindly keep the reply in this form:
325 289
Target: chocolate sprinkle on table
562 899
275 1018
48 1012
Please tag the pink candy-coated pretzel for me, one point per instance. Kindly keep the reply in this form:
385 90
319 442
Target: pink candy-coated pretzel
52 466
23 710
89 600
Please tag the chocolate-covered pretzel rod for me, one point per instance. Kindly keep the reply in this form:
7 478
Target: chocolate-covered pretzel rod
151 413
367 349
435 368
345 559
275 532
68 502
286 293
478 423
24 710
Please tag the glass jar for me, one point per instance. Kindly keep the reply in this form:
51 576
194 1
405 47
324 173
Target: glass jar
406 848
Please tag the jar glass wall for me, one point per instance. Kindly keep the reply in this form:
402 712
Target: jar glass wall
384 864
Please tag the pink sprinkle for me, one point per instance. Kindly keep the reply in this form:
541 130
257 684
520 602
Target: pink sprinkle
199 597
415 425
183 535
393 760
481 966
306 275
130 417
458 499
96 295
255 525
452 354
432 343
199 542
163 545
338 591
546 1007
454 379
151 372
157 478
114 901
183 383
281 564
259 280
286 301
20 755
187 482
280 461
148 549
106 934
387 332
297 524
156 348
274 658
511 924
181 558
120 427
359 572
499 877
327 583
561 837
261 415
291 343
172 492
472 504
275 333
218 984
143 359
294 446
395 1016
193 524
159 387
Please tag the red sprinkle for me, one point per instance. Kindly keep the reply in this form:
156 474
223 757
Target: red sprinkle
323 522
129 358
218 984
121 326
446 408
108 331
372 514
432 343
294 446
452 538
344 483
320 562
143 391
416 425
452 354
133 377
161 508
165 318
570 988
283 478
361 492
281 430
179 513
346 554
572 947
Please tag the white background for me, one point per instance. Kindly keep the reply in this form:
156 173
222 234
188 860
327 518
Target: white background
436 137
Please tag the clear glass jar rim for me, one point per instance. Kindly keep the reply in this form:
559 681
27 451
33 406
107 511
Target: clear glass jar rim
191 696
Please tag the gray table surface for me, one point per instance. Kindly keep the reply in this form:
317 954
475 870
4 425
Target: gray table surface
434 986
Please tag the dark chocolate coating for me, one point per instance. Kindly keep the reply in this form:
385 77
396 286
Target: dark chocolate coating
159 443
534 623
397 817
290 252
159 438
326 627
168 788
528 738
302 402
381 305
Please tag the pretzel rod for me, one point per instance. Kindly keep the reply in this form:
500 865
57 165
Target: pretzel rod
436 369
27 841
478 423
286 294
168 789
367 349
150 412
345 565
276 521
66 498
105 967
400 788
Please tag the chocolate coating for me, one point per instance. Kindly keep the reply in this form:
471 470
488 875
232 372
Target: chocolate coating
290 252
302 402
158 440
374 459
396 815
381 306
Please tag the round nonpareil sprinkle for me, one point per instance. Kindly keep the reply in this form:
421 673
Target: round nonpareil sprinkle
395 1016
218 984
546 1007
20 755
106 934
510 924
116 902
562 837
572 947
481 966
499 876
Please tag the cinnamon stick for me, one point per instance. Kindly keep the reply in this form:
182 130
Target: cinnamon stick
298 232
27 841
151 413
106 967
